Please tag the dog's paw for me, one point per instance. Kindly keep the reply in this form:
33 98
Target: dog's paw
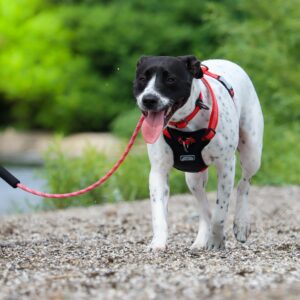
198 245
156 247
242 230
216 242
196 248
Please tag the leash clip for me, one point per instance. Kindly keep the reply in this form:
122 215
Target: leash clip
209 135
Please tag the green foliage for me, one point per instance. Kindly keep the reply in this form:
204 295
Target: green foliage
280 162
265 42
63 70
68 65
124 123
130 182
60 69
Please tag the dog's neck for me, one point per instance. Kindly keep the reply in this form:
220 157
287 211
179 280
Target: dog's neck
202 118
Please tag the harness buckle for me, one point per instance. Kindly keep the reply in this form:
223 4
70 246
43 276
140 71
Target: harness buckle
186 143
200 103
209 135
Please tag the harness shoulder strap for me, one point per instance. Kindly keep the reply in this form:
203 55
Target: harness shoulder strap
198 106
221 79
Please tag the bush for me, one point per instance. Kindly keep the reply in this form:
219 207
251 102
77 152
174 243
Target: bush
130 182
65 71
68 65
123 124
62 70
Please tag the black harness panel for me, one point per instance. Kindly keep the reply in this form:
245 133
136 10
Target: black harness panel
187 149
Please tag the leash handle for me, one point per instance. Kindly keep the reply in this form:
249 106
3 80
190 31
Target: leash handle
9 178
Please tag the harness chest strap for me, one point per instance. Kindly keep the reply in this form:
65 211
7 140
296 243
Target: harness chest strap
198 106
213 121
187 146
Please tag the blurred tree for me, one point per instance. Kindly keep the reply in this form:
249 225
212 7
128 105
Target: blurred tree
63 70
69 64
266 41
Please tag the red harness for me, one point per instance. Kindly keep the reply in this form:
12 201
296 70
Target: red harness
213 121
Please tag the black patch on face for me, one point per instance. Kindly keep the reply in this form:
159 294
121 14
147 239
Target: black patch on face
173 78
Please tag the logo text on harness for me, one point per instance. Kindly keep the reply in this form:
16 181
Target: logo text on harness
187 157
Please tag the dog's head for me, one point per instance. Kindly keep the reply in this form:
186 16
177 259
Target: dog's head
163 85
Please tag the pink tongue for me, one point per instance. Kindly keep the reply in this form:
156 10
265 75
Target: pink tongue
152 126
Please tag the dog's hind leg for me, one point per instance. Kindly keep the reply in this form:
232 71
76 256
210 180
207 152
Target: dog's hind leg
226 171
250 148
196 183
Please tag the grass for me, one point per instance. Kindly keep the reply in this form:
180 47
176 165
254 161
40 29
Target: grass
280 166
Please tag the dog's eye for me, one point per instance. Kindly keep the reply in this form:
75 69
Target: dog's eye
171 80
142 79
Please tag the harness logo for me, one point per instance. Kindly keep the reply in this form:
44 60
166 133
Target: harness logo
187 157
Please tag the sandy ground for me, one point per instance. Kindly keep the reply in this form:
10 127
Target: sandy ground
99 253
28 148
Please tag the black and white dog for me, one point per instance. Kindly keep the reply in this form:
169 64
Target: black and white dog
167 90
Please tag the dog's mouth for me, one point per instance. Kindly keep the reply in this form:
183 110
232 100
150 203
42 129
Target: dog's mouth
155 121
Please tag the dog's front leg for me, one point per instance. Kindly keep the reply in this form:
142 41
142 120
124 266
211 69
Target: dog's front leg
226 172
159 194
161 162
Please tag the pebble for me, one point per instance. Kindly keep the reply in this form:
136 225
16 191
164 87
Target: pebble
100 253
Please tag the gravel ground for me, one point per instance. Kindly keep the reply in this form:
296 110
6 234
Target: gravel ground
100 253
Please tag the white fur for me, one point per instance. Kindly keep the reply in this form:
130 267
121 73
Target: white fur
150 89
240 126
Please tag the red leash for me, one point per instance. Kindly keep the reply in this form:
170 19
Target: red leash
14 182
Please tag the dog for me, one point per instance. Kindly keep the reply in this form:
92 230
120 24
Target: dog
167 91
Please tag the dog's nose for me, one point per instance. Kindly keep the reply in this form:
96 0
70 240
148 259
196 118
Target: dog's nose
150 101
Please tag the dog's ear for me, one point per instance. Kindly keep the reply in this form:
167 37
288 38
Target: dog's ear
193 65
142 59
